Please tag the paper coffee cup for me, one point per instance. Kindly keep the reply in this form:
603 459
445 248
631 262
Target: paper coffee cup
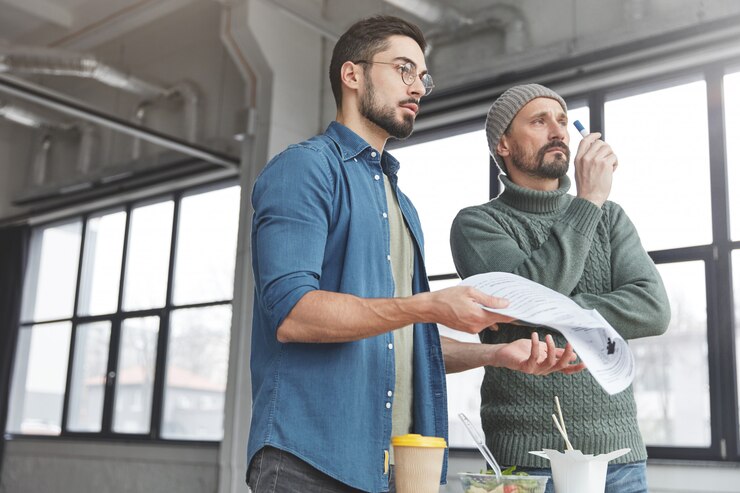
418 463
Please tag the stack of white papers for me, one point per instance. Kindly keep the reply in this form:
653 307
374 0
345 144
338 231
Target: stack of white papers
606 354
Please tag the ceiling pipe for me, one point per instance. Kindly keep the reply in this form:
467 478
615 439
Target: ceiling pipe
40 161
29 118
88 138
430 11
59 102
454 26
49 61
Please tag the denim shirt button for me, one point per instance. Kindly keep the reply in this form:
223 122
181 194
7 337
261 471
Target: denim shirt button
385 215
373 154
390 345
387 405
388 257
377 177
390 393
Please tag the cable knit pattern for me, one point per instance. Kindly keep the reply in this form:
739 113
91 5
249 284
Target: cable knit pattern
590 254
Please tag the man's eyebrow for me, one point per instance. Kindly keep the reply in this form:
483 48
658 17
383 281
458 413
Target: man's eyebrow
543 114
408 60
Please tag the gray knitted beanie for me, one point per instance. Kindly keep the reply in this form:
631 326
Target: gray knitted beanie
505 108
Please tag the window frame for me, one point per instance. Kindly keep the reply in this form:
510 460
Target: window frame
722 367
116 319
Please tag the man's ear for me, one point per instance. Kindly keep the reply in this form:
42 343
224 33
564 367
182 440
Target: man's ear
503 149
351 75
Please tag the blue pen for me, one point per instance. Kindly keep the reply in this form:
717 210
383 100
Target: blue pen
580 128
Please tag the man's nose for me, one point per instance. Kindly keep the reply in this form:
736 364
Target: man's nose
558 132
417 89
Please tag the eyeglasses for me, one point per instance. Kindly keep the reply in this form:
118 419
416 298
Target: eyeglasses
408 74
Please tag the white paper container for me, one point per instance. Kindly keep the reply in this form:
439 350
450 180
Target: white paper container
574 472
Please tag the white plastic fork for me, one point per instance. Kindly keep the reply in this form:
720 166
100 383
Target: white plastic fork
481 444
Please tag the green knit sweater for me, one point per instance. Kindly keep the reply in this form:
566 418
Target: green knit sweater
594 256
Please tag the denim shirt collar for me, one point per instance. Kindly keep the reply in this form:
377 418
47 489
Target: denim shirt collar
351 145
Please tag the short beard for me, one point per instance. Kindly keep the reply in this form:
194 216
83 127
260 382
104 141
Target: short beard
385 118
536 166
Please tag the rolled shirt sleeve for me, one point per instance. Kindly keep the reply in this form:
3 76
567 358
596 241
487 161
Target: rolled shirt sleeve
292 207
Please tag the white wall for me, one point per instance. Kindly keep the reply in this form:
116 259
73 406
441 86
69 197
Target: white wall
36 466
294 54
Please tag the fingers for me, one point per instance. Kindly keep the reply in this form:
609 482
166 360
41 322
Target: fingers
551 359
597 152
460 308
488 300
556 359
534 353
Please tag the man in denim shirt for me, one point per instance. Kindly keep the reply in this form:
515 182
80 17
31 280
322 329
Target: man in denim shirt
345 350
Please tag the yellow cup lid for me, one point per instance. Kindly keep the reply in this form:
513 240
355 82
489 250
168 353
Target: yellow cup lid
415 440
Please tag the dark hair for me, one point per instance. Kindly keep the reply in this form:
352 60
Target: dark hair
363 40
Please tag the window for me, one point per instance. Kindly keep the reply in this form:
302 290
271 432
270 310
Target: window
732 130
674 181
144 327
672 382
456 168
135 383
658 177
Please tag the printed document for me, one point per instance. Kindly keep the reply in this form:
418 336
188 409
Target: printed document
605 353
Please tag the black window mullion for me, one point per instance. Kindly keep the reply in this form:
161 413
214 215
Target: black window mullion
722 301
164 329
596 102
494 185
73 332
111 377
114 345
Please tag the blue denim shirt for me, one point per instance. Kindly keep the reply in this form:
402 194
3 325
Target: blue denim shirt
319 223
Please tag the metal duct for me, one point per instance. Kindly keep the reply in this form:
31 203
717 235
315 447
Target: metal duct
452 25
51 99
88 138
28 118
48 61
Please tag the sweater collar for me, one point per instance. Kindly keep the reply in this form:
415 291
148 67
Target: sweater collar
535 201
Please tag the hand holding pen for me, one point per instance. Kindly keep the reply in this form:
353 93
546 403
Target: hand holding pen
594 163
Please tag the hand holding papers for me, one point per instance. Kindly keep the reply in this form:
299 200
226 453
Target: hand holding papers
605 353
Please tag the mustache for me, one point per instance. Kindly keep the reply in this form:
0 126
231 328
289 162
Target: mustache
555 144
410 100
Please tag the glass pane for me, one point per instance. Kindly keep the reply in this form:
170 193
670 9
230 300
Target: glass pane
672 382
135 375
52 272
441 177
736 291
101 265
89 369
39 379
148 256
206 247
197 362
463 388
654 179
582 114
732 130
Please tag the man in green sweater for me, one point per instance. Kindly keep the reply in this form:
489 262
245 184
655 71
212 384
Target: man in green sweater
582 246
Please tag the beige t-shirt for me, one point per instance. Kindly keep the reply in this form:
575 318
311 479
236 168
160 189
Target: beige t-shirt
402 265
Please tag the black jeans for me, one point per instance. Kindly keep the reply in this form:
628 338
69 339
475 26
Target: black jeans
276 471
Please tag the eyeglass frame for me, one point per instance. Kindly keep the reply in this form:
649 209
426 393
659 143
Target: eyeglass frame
408 73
